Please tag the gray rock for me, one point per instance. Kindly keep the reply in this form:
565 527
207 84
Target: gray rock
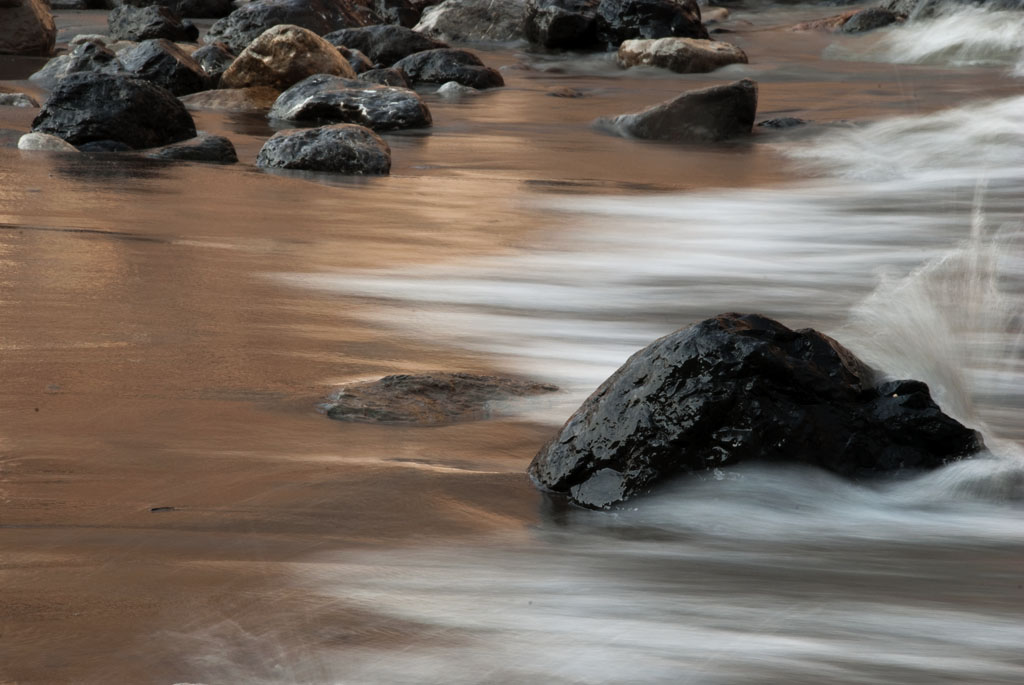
207 9
89 57
282 56
446 64
17 100
45 142
386 77
143 23
202 148
165 64
28 28
88 107
214 58
341 148
242 26
871 19
697 116
474 20
741 388
323 98
383 44
429 399
356 59
562 24
453 90
683 55
782 122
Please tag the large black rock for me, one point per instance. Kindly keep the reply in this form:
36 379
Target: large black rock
563 24
341 148
242 26
89 56
384 44
90 107
143 23
738 388
162 62
619 20
446 64
326 98
182 8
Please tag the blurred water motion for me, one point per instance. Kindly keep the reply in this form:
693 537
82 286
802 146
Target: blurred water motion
174 508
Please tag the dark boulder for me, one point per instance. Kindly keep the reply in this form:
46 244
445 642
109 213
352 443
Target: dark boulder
206 9
429 399
562 24
870 19
445 64
738 388
697 116
326 98
143 23
382 43
26 28
401 12
87 57
783 122
165 64
214 58
357 60
88 107
619 20
386 77
202 148
242 26
341 148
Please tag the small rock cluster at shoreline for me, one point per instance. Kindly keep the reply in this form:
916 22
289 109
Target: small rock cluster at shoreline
338 64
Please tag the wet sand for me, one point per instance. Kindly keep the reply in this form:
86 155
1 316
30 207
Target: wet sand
149 359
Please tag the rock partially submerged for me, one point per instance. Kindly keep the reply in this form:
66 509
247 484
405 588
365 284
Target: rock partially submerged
697 116
739 388
323 97
144 23
683 55
95 107
429 399
18 100
341 148
255 99
446 64
44 142
282 56
203 148
601 24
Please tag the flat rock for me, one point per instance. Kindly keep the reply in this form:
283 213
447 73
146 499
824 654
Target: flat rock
256 99
446 64
282 56
683 55
17 100
45 142
242 26
326 98
162 62
782 122
144 23
384 44
27 28
697 116
89 107
474 20
203 148
340 148
744 388
429 399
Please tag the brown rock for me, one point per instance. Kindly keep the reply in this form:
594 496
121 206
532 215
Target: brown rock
26 28
282 56
828 24
683 55
254 99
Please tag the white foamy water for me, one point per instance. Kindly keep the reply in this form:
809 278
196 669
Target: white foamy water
957 36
